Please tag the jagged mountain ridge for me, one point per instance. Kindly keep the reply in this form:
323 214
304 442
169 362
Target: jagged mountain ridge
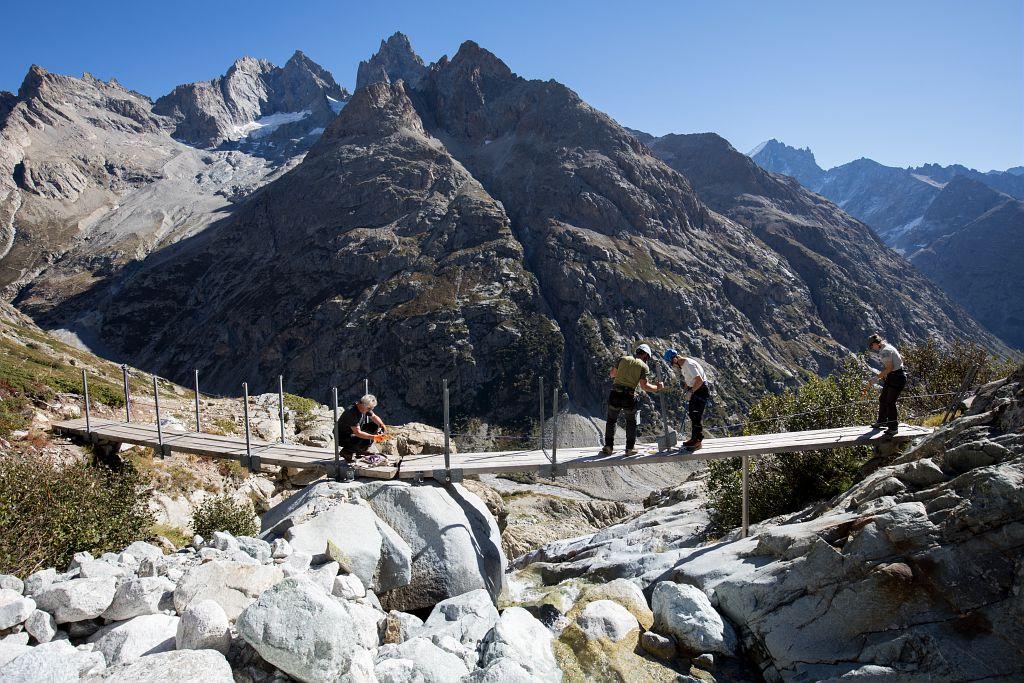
915 210
92 179
257 107
822 244
354 264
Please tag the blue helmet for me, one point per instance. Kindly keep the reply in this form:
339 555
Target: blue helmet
669 355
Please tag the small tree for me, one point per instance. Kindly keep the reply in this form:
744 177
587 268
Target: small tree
223 513
50 510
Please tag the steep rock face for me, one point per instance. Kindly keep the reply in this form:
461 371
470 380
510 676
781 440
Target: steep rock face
256 106
830 251
961 201
90 180
379 254
980 265
395 60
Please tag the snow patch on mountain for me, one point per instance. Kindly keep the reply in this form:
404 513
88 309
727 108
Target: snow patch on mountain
265 125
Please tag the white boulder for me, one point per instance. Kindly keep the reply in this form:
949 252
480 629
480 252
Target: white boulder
14 608
77 599
12 583
203 626
139 596
125 641
418 659
232 585
467 618
606 619
348 586
520 637
178 666
141 550
39 581
56 661
41 626
300 629
685 612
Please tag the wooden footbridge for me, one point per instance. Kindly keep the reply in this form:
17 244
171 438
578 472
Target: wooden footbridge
448 467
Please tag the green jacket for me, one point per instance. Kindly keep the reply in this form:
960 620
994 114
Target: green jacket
629 371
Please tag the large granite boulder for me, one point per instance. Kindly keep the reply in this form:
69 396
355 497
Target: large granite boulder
374 529
77 599
302 630
232 585
125 641
178 666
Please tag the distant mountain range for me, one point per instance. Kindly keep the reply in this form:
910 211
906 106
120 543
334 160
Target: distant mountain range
450 220
959 226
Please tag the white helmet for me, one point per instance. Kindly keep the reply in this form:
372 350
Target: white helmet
643 348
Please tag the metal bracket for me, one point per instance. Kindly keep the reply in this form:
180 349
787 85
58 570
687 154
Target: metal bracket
443 476
252 462
551 471
667 441
163 451
340 471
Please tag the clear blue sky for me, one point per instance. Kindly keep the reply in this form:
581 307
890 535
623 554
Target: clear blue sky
903 82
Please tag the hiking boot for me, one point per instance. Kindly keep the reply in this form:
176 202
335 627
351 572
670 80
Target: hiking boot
692 445
892 431
878 425
607 450
631 451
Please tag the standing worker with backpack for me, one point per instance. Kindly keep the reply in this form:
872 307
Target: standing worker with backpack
628 374
696 382
894 379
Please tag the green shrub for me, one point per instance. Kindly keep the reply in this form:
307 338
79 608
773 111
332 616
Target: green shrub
222 513
50 510
932 369
791 481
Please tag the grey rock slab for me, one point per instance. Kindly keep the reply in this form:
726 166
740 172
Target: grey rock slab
351 530
56 662
256 548
138 596
9 651
124 641
141 550
663 647
77 599
179 666
91 569
302 630
501 671
608 620
14 608
685 612
234 586
204 626
348 586
520 637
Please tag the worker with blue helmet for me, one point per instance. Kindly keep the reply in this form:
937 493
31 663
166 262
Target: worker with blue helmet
695 380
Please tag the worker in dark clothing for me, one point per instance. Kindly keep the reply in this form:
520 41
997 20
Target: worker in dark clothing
698 393
357 427
629 373
894 379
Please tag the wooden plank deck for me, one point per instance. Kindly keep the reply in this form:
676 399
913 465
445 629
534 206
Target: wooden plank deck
415 466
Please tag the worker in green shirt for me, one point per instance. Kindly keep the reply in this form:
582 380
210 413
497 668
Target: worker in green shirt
629 373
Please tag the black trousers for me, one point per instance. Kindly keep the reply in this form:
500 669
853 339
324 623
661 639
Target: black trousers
695 411
894 383
351 444
621 402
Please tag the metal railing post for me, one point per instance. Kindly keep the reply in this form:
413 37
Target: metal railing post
280 402
664 417
85 395
447 434
337 446
540 395
366 386
554 431
746 499
127 395
245 415
159 427
198 424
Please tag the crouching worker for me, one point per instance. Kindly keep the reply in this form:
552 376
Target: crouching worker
894 379
628 374
357 426
698 392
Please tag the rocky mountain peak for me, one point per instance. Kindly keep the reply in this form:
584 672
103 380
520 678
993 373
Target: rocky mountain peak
779 157
379 109
395 60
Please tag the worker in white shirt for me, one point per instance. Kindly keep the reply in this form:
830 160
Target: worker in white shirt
894 379
696 381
